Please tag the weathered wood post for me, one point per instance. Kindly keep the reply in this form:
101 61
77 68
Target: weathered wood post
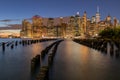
111 49
3 46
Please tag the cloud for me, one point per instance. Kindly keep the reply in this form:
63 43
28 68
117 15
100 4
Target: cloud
9 20
11 26
14 25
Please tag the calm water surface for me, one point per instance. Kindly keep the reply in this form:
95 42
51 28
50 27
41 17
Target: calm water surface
15 63
8 39
72 62
77 62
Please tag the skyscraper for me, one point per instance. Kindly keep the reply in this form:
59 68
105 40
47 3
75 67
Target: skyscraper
97 15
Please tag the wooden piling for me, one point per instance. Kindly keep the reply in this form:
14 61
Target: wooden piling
3 46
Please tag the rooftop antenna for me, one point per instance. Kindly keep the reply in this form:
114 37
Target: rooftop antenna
98 9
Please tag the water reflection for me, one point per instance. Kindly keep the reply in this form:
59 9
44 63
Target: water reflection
78 62
36 49
85 54
15 63
72 62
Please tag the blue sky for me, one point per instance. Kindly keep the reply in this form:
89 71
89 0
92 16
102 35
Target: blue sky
21 9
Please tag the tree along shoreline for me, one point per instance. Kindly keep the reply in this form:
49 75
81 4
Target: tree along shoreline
110 33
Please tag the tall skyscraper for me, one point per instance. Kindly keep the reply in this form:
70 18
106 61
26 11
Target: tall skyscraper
84 22
98 15
93 19
115 22
108 18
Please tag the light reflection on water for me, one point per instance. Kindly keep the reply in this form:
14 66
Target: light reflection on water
15 64
78 62
8 39
72 62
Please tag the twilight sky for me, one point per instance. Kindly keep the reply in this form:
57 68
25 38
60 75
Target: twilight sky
14 11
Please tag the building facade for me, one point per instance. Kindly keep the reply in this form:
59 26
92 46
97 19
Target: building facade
70 27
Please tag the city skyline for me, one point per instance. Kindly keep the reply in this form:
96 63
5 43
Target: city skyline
14 11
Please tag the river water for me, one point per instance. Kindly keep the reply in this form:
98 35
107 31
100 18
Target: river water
72 62
8 39
15 63
77 62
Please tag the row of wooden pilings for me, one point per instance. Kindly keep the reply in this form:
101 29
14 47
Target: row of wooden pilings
35 62
12 44
102 45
